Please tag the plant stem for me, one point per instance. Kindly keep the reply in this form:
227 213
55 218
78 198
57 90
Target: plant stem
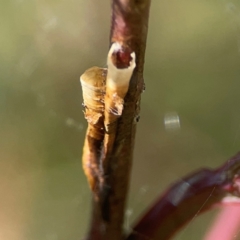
129 28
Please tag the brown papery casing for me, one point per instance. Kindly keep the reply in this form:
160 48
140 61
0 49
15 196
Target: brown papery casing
93 88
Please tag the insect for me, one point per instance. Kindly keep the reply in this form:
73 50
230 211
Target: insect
103 95
117 84
93 87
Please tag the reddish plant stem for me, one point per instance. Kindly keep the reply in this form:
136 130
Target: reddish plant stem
191 195
129 28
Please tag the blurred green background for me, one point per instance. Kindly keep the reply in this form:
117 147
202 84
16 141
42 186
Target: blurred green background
192 71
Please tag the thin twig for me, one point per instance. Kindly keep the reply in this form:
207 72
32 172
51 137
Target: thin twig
129 29
187 198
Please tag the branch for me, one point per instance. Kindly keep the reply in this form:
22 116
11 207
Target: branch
108 173
188 198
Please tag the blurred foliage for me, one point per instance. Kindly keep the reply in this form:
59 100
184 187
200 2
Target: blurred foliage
192 68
